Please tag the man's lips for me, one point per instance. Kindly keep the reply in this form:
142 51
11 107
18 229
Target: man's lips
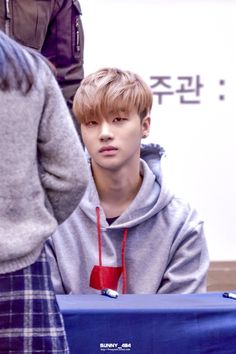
108 148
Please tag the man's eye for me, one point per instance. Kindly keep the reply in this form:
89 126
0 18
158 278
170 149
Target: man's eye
91 123
119 119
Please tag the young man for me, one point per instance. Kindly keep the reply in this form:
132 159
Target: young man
129 232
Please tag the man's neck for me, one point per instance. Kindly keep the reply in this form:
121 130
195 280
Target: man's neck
116 189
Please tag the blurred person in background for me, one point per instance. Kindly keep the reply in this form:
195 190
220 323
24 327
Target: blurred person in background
43 175
53 28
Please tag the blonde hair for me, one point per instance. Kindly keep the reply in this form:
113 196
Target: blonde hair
111 90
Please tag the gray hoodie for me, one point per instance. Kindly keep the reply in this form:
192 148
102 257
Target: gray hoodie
43 169
156 246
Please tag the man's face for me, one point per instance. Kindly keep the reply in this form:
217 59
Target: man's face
114 142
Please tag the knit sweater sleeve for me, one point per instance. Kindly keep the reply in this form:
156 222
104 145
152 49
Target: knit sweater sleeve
63 166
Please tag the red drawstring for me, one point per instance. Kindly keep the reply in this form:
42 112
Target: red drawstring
99 237
122 251
123 261
99 246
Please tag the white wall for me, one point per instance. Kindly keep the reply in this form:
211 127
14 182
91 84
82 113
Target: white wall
181 38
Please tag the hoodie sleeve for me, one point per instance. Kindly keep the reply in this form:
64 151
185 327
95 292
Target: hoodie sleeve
55 273
188 259
61 157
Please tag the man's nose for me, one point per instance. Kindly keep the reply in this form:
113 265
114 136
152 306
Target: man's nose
105 132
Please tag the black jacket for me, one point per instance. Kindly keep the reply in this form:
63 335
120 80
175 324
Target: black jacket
52 27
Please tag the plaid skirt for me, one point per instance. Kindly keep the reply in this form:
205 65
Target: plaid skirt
30 318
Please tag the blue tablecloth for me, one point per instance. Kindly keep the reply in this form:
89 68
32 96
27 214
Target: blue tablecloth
150 324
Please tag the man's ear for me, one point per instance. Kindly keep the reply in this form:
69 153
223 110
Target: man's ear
146 122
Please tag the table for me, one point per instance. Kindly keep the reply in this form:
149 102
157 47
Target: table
150 324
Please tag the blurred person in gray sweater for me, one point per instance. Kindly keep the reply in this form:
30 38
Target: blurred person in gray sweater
43 176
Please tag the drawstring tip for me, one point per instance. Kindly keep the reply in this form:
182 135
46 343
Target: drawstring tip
110 293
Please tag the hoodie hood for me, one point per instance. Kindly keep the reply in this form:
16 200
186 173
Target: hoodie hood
151 198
